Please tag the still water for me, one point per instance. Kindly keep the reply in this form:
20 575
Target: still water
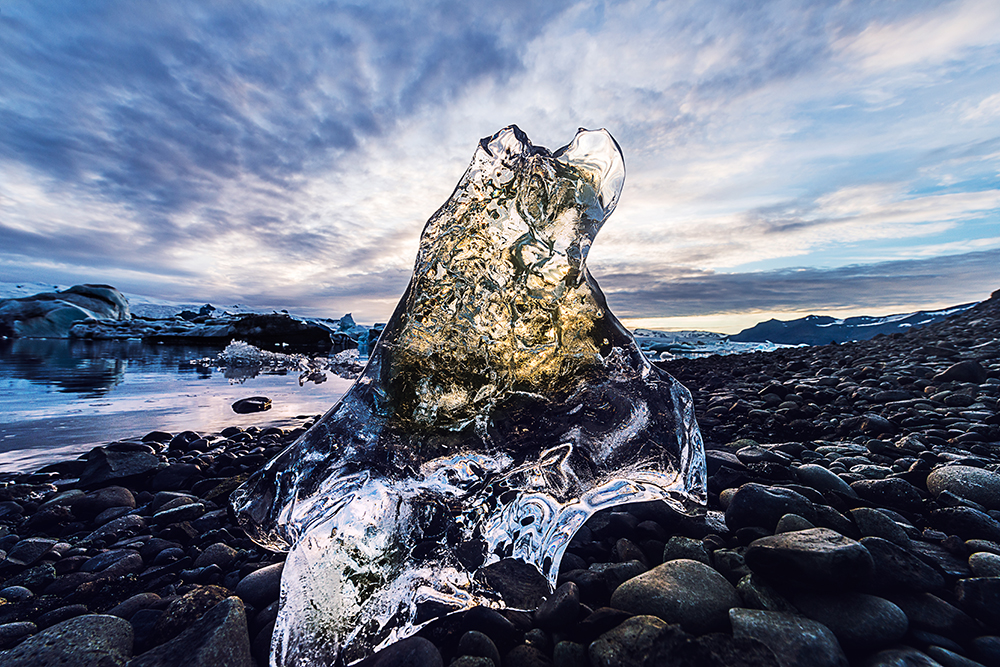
59 398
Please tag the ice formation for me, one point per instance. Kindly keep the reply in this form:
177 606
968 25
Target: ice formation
501 407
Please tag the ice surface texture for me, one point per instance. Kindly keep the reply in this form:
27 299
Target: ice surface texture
502 406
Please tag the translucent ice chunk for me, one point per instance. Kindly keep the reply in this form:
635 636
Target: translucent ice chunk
501 407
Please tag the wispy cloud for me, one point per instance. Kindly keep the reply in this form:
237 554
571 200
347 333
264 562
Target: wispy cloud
288 154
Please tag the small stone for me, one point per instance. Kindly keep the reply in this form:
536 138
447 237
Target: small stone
106 559
115 530
757 594
15 593
615 574
186 610
561 608
679 546
11 633
763 506
861 622
217 639
523 655
602 620
967 523
968 370
930 613
475 643
29 550
980 596
60 614
188 512
35 578
106 465
91 640
717 649
261 587
792 522
950 658
822 479
471 661
903 656
893 492
730 564
795 641
898 569
876 523
174 476
129 607
757 454
569 654
629 644
220 554
975 484
681 591
818 558
987 650
983 545
983 564
252 404
521 585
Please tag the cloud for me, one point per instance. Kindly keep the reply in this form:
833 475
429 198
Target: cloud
940 35
951 279
289 153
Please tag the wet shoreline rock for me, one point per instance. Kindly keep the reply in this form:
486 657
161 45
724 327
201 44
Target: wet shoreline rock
788 429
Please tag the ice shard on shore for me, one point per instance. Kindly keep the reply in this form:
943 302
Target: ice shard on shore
502 406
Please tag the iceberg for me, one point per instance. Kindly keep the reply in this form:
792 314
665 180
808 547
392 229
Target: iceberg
502 405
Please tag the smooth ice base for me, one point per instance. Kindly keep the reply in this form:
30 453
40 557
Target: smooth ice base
502 406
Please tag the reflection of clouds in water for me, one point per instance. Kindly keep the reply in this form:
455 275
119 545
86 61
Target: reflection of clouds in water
158 389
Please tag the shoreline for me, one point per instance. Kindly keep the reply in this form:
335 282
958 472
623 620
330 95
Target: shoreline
854 515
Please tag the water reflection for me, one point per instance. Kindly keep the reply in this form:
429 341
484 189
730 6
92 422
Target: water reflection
59 396
56 363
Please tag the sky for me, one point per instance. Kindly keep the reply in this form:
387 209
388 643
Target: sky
783 158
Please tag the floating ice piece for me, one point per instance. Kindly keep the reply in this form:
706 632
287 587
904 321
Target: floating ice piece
502 406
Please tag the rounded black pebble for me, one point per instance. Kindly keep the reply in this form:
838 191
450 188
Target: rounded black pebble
252 404
526 655
475 643
561 608
987 650
411 652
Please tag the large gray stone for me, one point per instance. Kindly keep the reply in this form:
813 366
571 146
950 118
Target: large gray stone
795 641
92 640
681 591
975 484
815 558
105 465
861 622
217 639
629 644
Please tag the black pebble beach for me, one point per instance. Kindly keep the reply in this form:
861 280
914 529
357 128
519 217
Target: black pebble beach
853 519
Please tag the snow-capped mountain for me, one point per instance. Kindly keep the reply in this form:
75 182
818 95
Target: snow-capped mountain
822 329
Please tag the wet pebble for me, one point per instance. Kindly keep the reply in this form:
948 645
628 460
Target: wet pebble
818 557
975 484
681 591
795 641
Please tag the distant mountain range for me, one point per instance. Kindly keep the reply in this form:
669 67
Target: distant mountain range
821 329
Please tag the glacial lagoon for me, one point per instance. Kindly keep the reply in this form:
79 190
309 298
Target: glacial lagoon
59 398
